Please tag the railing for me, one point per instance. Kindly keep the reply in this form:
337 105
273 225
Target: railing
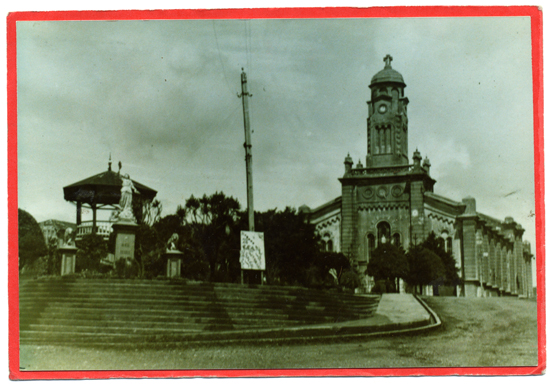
103 228
380 170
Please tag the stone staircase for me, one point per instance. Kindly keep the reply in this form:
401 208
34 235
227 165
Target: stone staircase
108 312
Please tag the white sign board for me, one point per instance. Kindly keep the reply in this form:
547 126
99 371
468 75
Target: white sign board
252 250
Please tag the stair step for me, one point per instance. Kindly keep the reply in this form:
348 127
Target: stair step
113 312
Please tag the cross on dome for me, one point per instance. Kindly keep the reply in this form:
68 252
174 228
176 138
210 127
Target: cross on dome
388 60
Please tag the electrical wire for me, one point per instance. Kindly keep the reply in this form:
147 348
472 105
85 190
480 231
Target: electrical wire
220 57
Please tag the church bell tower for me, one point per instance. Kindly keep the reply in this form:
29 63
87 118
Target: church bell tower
387 119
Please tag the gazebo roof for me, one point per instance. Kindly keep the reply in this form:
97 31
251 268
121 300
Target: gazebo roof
103 188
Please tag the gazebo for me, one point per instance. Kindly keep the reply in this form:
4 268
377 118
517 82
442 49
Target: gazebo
100 192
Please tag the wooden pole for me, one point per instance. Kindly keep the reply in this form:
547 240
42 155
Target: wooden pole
248 152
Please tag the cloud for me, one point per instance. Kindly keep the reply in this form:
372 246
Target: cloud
161 97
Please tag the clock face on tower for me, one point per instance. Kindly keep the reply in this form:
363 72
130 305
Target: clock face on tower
382 109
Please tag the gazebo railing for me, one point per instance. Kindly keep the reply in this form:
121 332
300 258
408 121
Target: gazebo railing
104 228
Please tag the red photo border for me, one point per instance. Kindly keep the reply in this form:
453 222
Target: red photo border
535 15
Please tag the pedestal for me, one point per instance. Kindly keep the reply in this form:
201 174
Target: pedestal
68 259
173 263
125 236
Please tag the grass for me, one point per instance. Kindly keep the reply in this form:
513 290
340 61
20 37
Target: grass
475 332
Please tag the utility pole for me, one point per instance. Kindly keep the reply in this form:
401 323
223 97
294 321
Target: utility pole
248 151
248 158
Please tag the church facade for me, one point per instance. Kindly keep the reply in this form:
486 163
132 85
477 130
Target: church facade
390 200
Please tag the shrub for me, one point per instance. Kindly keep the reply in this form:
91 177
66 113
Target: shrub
350 279
388 262
31 240
91 250
425 267
126 268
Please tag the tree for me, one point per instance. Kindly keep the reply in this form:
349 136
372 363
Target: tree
148 251
91 250
151 212
425 267
31 240
291 246
437 246
214 222
388 262
322 263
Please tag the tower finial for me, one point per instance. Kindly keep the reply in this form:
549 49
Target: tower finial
388 60
109 162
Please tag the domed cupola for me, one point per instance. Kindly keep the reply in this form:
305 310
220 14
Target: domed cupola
387 121
388 74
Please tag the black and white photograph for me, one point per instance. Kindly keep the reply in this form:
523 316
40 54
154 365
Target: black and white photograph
276 193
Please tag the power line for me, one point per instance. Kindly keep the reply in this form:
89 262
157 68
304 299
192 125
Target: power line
220 56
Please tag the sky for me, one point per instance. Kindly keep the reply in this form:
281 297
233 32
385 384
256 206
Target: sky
161 97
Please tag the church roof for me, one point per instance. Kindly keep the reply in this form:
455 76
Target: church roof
103 188
388 74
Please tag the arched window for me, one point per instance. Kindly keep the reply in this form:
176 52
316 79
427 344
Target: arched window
370 246
329 246
323 245
384 232
396 239
449 244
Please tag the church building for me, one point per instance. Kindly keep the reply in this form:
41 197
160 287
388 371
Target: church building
390 200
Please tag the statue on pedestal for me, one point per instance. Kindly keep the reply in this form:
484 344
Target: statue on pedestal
173 257
125 212
68 238
171 244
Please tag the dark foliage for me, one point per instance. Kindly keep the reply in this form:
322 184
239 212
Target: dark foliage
31 240
127 269
425 267
53 259
210 232
318 274
149 252
388 262
91 250
291 248
350 279
437 246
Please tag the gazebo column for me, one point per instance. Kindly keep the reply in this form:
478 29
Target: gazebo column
94 220
78 213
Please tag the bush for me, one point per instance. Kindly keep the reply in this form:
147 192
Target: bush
126 268
350 279
31 240
437 246
91 250
53 259
38 267
425 267
388 262
194 269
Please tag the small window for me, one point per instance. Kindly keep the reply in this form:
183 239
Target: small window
329 246
396 239
370 245
383 233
